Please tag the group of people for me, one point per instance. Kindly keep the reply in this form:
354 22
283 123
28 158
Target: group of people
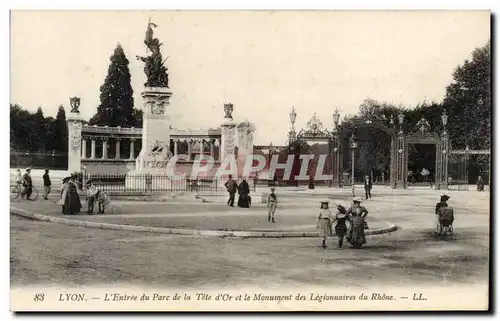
349 223
25 183
69 194
70 198
243 189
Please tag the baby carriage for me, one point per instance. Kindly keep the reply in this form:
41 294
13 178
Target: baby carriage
446 218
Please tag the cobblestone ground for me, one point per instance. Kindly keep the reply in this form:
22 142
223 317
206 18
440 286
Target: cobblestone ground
48 253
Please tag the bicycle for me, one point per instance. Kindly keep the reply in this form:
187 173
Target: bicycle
15 192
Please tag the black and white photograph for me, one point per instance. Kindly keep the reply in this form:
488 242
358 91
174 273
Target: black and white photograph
250 160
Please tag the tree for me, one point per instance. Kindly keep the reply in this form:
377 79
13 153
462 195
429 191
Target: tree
468 101
59 131
117 102
22 129
40 130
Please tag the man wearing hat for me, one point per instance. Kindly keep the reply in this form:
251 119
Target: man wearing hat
443 203
27 183
325 220
46 184
272 202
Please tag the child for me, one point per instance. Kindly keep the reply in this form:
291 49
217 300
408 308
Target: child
272 202
325 220
91 196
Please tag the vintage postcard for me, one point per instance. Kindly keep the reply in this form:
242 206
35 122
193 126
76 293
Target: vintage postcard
250 160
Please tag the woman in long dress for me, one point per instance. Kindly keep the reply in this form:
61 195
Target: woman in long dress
357 214
341 218
70 200
244 191
324 225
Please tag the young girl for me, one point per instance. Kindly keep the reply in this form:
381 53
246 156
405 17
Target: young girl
324 224
341 228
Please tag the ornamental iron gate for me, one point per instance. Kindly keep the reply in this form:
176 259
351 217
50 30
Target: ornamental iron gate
400 140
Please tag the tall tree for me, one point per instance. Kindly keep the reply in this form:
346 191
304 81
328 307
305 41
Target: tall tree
117 102
468 101
40 130
60 131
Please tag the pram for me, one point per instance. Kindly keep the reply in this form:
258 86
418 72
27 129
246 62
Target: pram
446 218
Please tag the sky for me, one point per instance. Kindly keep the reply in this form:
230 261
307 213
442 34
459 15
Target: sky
264 62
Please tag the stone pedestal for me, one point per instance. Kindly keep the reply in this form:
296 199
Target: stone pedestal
228 139
244 131
152 160
74 121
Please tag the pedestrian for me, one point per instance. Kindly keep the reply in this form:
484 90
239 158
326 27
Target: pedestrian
70 199
231 187
324 224
368 187
19 179
443 203
91 196
27 184
480 184
341 219
272 203
244 191
357 215
46 184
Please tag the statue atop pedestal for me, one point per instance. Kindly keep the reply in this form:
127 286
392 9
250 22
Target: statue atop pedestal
154 68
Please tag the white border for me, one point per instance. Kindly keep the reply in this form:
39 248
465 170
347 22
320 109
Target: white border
190 5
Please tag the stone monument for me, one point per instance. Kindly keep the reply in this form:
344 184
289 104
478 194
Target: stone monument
74 121
155 152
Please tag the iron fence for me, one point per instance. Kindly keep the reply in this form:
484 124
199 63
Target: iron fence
146 183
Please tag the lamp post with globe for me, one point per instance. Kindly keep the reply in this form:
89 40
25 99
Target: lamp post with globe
445 146
353 145
335 145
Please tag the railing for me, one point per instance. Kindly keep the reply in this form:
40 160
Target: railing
106 129
147 183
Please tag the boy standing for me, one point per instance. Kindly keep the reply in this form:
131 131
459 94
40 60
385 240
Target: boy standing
272 202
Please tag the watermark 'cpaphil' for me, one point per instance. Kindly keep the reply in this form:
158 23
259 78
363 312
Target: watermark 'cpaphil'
249 166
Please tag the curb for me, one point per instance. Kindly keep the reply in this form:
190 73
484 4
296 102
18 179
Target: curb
166 230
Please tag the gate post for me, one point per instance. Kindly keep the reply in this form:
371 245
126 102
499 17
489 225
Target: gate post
401 153
445 150
336 160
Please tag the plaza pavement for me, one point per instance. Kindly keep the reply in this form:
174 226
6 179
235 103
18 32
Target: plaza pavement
48 253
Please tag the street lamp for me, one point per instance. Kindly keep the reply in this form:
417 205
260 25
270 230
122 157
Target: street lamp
401 117
354 145
444 119
335 117
293 115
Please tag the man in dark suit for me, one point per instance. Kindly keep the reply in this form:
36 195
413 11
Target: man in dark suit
368 187
46 184
231 187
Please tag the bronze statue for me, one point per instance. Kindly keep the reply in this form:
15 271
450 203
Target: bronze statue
154 68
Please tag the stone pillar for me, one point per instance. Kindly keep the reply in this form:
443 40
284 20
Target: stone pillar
176 147
74 122
189 145
84 148
155 128
212 151
104 148
219 151
132 151
92 148
117 149
228 133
